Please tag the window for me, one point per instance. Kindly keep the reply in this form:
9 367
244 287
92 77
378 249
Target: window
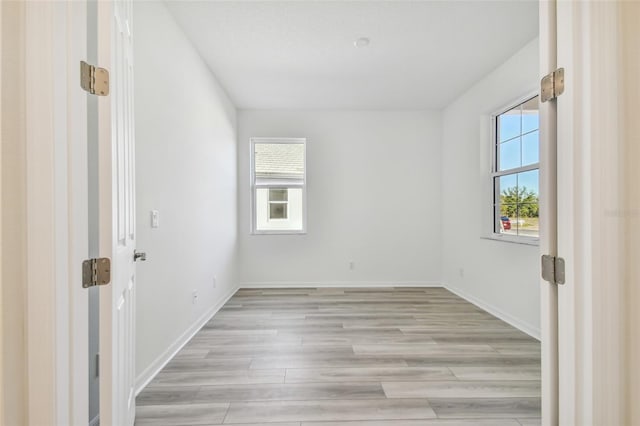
515 173
278 185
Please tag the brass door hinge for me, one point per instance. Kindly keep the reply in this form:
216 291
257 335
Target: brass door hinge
553 269
552 85
93 79
96 272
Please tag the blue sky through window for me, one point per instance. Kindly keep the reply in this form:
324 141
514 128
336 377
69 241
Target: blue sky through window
529 180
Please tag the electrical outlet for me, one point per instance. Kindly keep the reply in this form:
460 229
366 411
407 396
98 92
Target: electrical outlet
352 265
194 297
461 272
215 281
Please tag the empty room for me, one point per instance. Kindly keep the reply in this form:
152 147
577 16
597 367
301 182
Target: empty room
317 175
319 213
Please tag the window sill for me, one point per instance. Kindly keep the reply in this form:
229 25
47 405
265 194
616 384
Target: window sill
527 241
279 232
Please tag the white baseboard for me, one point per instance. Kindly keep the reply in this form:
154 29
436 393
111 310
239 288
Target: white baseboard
332 284
509 319
95 421
150 372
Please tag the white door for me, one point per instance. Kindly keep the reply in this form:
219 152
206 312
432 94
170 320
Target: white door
117 215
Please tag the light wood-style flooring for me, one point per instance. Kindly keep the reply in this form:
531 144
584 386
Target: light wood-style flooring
349 357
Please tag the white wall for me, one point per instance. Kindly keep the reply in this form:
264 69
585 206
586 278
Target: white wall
186 169
496 274
374 189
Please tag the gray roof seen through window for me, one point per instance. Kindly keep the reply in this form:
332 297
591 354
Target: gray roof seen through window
279 160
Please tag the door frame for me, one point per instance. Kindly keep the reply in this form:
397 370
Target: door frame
56 222
548 219
599 206
56 307
2 384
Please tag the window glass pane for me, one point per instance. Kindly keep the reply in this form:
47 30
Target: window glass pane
516 204
530 115
505 184
286 215
505 203
509 154
528 187
279 160
509 124
528 219
528 199
530 148
277 210
508 223
278 194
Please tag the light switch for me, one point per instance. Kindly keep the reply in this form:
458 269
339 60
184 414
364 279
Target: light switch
155 219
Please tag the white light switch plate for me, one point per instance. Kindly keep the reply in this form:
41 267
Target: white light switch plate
155 219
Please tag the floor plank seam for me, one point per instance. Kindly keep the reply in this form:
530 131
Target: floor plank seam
225 414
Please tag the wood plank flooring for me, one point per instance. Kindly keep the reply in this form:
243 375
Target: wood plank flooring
349 357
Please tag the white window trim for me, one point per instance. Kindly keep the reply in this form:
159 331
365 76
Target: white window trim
493 173
255 186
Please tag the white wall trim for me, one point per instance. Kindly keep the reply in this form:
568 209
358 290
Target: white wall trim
332 284
161 361
509 319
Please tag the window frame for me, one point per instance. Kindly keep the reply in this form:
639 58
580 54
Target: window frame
254 187
496 173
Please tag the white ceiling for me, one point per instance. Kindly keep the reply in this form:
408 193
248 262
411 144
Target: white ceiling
300 54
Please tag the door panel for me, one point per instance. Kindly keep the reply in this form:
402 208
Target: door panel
117 192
